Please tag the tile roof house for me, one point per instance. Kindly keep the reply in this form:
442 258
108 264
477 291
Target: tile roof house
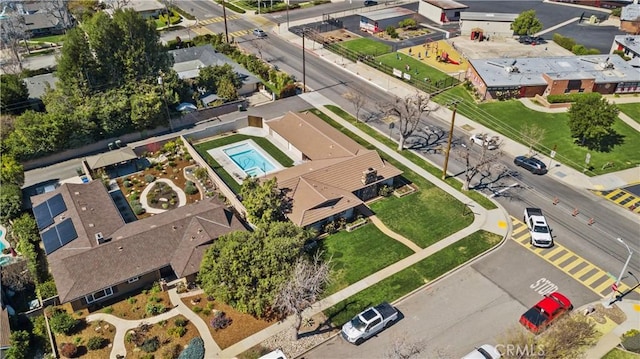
188 62
94 255
336 174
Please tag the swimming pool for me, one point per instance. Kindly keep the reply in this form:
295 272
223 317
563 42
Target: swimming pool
2 246
249 159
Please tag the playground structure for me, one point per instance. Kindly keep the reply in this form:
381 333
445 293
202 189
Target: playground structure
440 54
444 57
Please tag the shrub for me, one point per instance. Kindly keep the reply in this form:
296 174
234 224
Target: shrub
155 309
96 343
47 289
108 310
177 332
206 311
63 323
150 345
154 299
149 178
195 350
220 321
134 196
565 42
385 191
572 97
127 183
155 288
172 163
180 322
138 210
68 350
172 352
132 300
408 23
191 189
391 30
197 309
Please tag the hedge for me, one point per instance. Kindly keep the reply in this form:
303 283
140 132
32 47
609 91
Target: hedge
571 97
195 350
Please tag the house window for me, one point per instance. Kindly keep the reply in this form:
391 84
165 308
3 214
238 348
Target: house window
581 90
134 279
107 292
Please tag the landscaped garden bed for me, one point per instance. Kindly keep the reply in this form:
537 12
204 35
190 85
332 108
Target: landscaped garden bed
162 196
90 340
165 339
241 325
404 190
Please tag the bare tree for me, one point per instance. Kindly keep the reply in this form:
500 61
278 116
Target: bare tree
409 111
532 135
358 99
518 343
13 30
59 10
487 160
403 348
303 288
117 4
570 337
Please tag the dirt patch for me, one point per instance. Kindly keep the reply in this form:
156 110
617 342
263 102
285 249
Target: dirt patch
403 34
242 325
86 332
338 35
170 336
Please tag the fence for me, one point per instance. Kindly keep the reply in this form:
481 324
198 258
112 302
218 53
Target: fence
429 87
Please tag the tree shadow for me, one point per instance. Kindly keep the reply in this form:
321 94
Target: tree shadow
604 144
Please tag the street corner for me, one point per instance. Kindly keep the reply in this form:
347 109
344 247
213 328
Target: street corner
604 319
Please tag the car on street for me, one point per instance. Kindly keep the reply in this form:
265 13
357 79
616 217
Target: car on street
369 322
548 310
483 139
370 3
531 164
485 351
259 33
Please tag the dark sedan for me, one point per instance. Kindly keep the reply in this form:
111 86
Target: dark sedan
531 164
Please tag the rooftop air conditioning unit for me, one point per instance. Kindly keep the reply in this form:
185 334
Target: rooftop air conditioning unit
100 238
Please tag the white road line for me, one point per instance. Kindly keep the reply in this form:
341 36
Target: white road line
504 189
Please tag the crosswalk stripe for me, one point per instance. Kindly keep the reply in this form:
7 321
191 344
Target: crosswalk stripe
606 285
595 278
613 193
564 257
588 268
517 230
554 251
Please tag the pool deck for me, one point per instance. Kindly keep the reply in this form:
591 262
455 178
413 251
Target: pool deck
232 168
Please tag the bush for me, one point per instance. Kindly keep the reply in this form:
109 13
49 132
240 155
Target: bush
408 23
180 322
206 311
191 189
108 310
391 31
96 343
155 309
566 42
68 350
63 323
149 178
150 345
138 209
134 196
197 309
616 12
132 300
177 332
195 350
127 183
572 97
172 352
220 321
47 289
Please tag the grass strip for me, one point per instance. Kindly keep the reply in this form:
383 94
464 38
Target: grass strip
631 109
413 277
417 160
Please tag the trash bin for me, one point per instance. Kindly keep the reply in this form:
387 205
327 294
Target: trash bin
240 109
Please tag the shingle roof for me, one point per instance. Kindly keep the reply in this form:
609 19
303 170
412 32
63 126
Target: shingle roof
315 138
177 238
494 72
187 62
325 185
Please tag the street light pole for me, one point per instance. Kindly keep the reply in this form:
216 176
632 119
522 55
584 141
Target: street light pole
304 63
618 298
453 120
287 15
164 97
626 264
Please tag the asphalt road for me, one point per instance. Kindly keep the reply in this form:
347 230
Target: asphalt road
476 305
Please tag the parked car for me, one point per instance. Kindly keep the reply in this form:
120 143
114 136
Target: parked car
370 3
531 40
369 322
531 164
549 309
485 351
259 33
480 139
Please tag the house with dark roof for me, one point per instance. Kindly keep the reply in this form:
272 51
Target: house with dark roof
336 175
43 17
94 255
531 76
188 62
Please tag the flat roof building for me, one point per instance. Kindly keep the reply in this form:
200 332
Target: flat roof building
441 11
379 20
489 24
630 46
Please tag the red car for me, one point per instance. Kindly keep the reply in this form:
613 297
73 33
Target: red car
541 315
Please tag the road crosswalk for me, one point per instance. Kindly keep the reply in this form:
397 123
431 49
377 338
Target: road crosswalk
569 262
622 198
214 20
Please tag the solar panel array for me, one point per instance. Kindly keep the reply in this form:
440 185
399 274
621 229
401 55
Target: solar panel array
45 212
58 236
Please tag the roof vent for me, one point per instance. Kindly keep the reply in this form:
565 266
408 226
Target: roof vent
84 208
100 239
606 65
91 225
76 193
120 248
174 227
200 230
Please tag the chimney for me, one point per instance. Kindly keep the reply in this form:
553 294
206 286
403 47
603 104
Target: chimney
369 175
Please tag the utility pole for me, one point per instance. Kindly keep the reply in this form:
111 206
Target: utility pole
287 15
224 14
304 63
453 120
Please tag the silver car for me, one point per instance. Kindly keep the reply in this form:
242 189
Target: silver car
259 33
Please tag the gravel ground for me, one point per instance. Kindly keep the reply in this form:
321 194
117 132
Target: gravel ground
293 348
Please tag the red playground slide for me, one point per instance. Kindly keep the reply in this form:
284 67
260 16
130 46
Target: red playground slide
451 61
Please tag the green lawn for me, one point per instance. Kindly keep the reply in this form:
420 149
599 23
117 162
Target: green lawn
358 254
51 38
416 159
620 354
366 46
424 217
508 117
418 68
266 145
413 277
631 109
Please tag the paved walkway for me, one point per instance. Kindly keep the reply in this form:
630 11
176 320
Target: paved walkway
384 229
182 198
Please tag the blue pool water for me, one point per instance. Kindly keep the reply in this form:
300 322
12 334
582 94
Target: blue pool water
250 160
1 242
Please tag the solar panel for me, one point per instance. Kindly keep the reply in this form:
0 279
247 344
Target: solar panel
43 216
51 241
56 205
66 231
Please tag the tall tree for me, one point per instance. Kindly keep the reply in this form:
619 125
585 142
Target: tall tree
246 269
11 199
11 171
485 162
24 228
14 97
59 10
147 108
526 23
263 201
408 111
76 66
36 134
591 119
210 76
304 287
532 135
226 90
19 348
105 39
358 99
403 348
570 337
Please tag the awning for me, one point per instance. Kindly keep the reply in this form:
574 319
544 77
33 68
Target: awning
111 158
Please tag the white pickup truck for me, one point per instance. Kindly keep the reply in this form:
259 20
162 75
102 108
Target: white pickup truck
538 228
369 322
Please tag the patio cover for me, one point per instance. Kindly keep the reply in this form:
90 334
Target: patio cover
111 158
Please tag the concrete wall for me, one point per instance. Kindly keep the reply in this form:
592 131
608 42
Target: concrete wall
276 137
490 28
429 11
